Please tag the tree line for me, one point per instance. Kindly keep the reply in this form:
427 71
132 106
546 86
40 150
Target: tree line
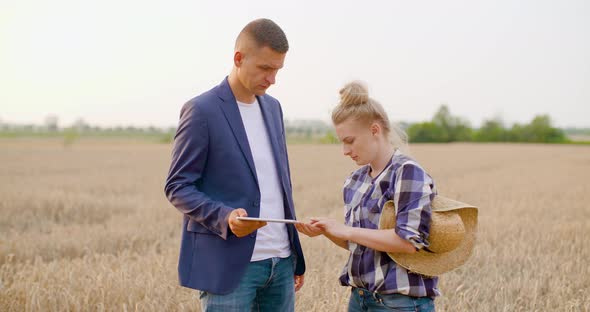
444 127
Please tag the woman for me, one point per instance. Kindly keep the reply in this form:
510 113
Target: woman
378 283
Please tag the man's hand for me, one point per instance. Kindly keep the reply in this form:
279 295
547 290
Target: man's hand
299 281
242 228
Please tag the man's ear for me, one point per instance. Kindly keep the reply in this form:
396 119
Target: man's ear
238 58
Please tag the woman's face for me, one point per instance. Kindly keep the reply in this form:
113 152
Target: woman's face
359 141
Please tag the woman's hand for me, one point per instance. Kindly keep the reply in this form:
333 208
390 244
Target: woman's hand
332 227
308 229
319 226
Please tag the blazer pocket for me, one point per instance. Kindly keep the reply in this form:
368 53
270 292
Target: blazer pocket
196 227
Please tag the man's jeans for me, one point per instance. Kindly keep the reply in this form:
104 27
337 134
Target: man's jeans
267 285
363 300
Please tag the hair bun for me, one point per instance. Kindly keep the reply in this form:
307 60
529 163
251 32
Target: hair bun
354 93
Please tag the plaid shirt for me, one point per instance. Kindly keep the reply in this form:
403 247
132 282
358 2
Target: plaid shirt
412 190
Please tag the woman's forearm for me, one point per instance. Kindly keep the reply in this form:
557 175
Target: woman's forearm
339 242
381 240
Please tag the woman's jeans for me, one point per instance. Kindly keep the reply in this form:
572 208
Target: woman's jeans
364 300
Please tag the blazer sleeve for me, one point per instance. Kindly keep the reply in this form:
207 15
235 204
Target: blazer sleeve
189 157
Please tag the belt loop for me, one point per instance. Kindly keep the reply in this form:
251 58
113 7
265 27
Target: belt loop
377 297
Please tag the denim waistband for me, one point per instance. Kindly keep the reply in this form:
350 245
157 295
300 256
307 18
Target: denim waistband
378 296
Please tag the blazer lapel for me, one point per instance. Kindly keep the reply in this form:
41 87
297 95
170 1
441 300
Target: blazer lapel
232 115
273 131
270 125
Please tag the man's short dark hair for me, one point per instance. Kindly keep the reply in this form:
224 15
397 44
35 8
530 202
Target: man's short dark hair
266 33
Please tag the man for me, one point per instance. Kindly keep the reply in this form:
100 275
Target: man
230 160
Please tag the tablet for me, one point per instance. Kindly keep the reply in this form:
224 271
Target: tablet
267 220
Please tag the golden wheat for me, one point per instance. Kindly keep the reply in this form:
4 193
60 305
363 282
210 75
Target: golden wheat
87 227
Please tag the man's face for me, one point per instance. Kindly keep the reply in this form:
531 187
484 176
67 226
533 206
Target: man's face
257 68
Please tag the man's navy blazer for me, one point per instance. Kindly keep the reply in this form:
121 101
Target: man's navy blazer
212 172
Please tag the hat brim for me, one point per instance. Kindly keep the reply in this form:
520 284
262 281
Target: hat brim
433 264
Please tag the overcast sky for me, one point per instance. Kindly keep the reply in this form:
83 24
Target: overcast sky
135 63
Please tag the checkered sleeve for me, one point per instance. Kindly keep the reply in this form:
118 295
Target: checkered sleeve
414 191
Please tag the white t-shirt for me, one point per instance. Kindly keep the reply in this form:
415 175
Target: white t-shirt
272 240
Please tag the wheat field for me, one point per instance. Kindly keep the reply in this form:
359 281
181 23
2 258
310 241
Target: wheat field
87 227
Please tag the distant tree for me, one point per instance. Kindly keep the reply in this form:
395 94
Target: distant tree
443 117
168 136
444 127
329 138
456 128
427 132
461 131
492 131
80 125
515 133
51 123
4 126
539 130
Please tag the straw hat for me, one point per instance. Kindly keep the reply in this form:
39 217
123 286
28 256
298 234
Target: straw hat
453 229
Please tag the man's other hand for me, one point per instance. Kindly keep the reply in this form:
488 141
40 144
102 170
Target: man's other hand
299 281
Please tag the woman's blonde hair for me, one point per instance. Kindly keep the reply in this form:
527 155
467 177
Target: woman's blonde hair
355 103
